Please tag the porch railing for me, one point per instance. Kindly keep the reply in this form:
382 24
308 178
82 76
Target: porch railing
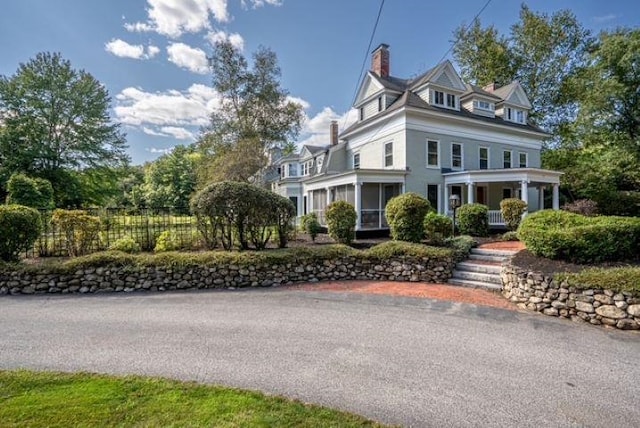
495 218
373 219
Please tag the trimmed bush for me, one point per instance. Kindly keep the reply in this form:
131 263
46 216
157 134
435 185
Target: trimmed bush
461 246
126 245
402 248
341 221
166 241
511 235
79 229
585 207
20 227
30 192
512 210
473 219
437 227
310 224
573 237
614 279
405 215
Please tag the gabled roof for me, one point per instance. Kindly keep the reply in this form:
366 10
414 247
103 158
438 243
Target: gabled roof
513 94
443 74
476 90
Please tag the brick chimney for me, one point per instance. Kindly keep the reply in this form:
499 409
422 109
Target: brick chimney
491 87
334 132
380 60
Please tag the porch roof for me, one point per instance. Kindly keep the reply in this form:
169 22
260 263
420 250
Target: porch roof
528 175
356 176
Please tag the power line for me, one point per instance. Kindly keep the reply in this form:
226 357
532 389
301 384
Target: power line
364 60
465 29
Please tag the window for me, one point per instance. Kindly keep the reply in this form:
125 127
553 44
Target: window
361 113
456 190
506 193
292 170
388 154
379 103
484 158
294 199
438 97
456 156
432 195
506 159
304 205
432 154
519 116
356 161
451 101
522 160
483 105
509 113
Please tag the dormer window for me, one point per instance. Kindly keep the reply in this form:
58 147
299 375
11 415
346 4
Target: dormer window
438 98
356 161
516 115
451 101
483 105
519 116
379 103
293 170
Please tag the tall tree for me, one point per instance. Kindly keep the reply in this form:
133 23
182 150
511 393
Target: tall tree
56 121
255 112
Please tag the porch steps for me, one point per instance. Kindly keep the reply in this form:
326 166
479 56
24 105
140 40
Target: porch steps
481 269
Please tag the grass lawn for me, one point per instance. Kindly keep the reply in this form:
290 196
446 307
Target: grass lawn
39 399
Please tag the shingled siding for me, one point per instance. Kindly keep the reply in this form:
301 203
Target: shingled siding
537 292
161 278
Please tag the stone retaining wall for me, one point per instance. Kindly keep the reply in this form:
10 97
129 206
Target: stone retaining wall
161 278
537 292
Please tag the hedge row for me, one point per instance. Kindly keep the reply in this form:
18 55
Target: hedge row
614 279
573 237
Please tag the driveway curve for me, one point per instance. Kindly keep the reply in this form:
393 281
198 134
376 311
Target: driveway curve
408 361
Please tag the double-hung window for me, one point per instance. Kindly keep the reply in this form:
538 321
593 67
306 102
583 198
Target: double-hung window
388 154
456 156
522 160
451 101
484 157
438 98
433 160
432 195
356 161
519 116
506 159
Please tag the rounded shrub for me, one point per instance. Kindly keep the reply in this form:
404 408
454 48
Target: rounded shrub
126 245
473 219
80 230
341 221
405 215
586 207
30 192
310 224
576 238
437 227
167 241
512 210
20 227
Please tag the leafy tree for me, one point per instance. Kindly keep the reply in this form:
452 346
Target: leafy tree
55 120
255 114
171 179
30 192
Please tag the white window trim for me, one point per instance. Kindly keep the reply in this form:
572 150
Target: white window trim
526 160
461 167
476 105
426 161
510 157
384 155
488 156
442 104
446 101
353 160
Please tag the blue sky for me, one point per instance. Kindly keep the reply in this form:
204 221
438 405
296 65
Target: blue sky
150 54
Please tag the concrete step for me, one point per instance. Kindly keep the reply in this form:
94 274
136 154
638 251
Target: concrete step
481 257
494 253
477 276
475 284
470 266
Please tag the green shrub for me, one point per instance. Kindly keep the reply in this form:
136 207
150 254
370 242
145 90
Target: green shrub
621 203
236 214
30 192
341 221
310 224
512 210
167 241
402 248
510 236
405 215
614 279
437 227
473 219
126 245
461 246
585 207
20 227
80 230
576 238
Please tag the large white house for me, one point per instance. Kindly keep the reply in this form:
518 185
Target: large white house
433 135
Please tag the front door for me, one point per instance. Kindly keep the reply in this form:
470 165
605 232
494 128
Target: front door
481 195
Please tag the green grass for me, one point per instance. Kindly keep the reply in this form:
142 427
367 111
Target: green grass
615 279
35 399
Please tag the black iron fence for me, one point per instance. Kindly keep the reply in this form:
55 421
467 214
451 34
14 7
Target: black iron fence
144 226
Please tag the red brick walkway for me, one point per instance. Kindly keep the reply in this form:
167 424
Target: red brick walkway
413 289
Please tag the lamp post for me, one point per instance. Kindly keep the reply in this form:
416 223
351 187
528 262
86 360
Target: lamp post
454 204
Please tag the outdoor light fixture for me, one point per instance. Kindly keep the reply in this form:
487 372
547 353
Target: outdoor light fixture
454 204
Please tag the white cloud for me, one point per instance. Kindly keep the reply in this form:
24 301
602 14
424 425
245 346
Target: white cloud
259 3
123 49
159 150
177 132
604 18
172 18
184 56
316 129
235 39
303 103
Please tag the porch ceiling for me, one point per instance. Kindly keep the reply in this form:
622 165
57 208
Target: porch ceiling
529 175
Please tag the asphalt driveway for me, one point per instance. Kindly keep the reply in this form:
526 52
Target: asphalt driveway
415 362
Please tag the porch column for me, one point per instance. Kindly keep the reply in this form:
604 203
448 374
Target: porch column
445 204
358 203
470 192
524 191
541 198
310 200
326 189
556 197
